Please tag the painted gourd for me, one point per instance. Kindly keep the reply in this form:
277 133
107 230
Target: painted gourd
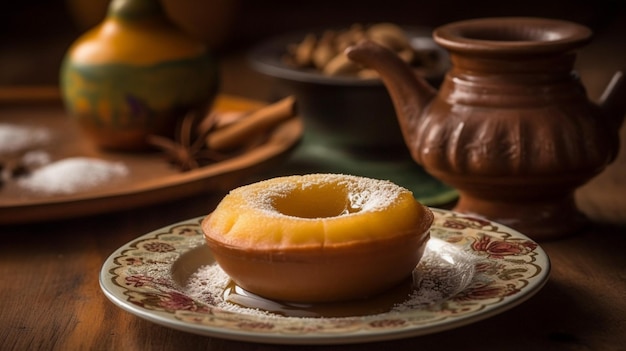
134 75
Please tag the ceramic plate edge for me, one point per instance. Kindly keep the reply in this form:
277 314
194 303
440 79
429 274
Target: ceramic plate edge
361 336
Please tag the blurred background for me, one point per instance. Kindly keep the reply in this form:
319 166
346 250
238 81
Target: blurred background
34 34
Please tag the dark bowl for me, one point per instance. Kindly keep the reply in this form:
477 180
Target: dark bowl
345 112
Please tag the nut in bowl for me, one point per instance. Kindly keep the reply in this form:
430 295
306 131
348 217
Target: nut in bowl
318 237
342 103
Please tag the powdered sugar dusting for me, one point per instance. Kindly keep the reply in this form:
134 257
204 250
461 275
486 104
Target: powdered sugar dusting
208 285
443 272
72 175
364 194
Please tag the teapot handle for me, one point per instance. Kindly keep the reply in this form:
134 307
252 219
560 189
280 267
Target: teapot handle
613 100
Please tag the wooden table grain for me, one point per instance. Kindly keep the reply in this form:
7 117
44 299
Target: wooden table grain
50 297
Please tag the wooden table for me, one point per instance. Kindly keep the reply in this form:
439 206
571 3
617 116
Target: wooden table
51 299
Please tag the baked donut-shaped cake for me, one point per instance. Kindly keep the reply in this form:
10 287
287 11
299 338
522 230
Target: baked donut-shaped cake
318 237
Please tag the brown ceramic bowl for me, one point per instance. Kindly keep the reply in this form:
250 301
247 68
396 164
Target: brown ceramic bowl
334 273
343 112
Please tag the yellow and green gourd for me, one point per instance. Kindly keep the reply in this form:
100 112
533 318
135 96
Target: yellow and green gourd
136 74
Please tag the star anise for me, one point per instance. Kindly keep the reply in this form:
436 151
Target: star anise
12 168
188 149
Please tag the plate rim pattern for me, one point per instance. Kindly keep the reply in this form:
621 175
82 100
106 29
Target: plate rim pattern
510 268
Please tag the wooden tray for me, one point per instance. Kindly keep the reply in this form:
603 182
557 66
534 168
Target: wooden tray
151 179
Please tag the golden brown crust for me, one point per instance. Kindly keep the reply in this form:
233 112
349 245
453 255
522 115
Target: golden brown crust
315 210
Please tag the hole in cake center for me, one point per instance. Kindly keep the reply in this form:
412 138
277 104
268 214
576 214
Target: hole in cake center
318 201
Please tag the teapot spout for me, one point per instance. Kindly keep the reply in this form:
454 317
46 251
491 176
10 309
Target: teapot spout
613 100
409 93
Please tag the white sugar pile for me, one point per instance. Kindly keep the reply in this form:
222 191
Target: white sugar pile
15 138
74 174
35 158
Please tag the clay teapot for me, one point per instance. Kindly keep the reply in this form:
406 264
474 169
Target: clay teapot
511 127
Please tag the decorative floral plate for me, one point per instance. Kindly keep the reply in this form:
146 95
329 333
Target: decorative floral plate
472 269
